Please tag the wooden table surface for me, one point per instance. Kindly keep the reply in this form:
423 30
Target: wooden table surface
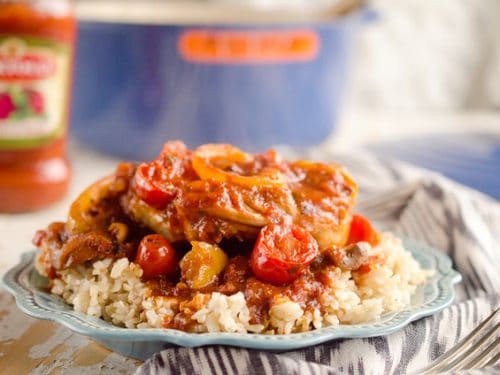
32 346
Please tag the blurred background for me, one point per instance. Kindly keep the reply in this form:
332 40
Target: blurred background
438 56
431 72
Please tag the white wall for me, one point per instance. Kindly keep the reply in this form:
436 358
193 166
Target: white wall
441 54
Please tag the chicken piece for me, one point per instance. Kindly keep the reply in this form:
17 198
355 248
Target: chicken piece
221 192
96 228
325 195
61 250
94 207
216 192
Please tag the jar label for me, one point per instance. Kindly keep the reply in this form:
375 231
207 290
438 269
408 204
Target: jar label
34 85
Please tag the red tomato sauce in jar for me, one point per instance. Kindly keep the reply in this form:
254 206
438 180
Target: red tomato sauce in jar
36 61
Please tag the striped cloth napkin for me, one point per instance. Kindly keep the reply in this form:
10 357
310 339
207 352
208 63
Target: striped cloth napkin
411 202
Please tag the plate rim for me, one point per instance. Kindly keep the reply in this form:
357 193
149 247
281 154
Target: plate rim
444 278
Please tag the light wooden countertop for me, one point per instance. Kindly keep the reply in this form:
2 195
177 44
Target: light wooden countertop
29 345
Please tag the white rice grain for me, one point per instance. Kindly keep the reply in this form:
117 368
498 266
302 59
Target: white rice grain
113 290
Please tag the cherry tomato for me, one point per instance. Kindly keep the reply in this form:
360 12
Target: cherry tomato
282 253
365 268
156 256
152 187
362 230
368 267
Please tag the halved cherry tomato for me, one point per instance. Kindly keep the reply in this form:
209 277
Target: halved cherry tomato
152 187
365 268
282 253
156 256
362 230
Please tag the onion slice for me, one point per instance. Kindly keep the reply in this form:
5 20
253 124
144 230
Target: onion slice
210 160
80 219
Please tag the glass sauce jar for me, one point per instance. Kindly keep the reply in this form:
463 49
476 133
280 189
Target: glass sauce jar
37 40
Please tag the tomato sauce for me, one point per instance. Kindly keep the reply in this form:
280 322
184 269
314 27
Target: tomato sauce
36 58
237 277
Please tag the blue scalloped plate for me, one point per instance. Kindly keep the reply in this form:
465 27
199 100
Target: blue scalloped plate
27 286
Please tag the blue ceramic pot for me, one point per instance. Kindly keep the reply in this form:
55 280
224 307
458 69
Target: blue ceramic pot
138 85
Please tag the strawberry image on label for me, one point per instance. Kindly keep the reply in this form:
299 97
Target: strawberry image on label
6 106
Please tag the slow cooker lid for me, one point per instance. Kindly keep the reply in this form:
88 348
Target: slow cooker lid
205 12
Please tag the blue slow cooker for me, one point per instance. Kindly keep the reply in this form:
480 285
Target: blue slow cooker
253 84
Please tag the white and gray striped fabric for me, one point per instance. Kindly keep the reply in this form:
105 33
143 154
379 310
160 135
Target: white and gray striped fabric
414 203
